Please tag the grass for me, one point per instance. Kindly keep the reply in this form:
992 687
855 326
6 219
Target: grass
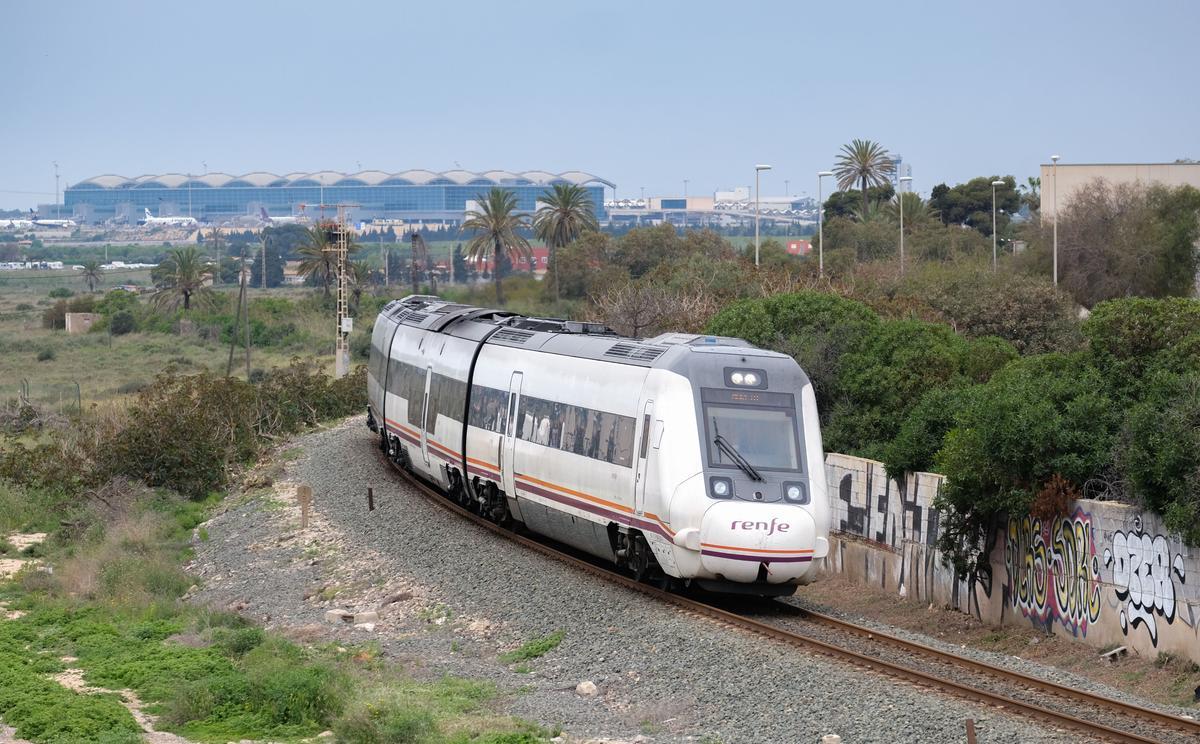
111 602
534 649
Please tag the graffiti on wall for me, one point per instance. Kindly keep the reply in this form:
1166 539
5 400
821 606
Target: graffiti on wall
1144 574
886 511
1053 571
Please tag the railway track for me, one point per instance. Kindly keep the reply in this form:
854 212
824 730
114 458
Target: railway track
1061 706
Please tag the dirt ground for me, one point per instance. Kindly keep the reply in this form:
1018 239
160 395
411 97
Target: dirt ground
1166 679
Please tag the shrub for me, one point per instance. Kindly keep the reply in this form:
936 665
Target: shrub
1159 451
920 437
378 721
122 322
1038 417
61 293
46 355
23 307
1132 338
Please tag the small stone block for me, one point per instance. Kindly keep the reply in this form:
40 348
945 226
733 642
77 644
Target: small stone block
338 616
370 616
586 688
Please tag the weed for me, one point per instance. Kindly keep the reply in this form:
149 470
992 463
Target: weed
455 646
436 614
522 669
46 355
533 649
202 533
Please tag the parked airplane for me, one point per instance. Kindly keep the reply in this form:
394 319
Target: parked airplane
289 220
39 222
11 224
152 221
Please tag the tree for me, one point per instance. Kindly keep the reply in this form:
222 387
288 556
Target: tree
458 265
917 212
848 203
865 163
359 276
495 225
970 203
1128 240
1031 193
318 260
92 275
181 278
269 256
566 213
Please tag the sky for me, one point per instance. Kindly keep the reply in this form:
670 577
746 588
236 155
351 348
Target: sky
643 94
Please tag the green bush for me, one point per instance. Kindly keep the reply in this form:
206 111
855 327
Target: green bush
384 723
122 322
1130 339
61 293
1038 417
46 355
924 430
1160 451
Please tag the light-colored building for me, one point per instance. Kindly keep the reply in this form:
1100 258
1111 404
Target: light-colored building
80 322
1071 177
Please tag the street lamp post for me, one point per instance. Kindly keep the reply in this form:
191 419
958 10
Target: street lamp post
821 224
1054 206
757 169
994 258
900 200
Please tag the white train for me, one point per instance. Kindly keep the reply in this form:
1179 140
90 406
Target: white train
693 459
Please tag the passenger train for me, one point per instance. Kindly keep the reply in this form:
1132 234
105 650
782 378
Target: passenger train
689 459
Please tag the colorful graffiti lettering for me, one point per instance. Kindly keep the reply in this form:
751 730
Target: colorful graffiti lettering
1053 571
1144 575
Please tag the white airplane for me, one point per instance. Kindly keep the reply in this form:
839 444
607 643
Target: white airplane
151 221
39 222
10 224
288 220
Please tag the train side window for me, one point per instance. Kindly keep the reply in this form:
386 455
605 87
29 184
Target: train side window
624 429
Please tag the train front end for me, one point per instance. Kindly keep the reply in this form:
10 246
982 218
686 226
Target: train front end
748 498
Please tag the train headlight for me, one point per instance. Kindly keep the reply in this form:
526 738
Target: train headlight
745 378
795 493
720 488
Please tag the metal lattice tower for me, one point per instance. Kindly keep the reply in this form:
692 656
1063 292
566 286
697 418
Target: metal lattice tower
338 242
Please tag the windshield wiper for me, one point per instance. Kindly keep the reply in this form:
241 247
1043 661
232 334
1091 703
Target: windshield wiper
727 447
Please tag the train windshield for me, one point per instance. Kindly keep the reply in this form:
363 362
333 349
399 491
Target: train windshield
765 437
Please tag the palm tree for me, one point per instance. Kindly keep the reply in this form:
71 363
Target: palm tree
92 275
181 279
917 212
317 259
863 162
566 213
495 225
358 275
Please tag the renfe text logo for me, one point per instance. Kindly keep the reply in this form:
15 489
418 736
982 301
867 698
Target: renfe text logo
774 526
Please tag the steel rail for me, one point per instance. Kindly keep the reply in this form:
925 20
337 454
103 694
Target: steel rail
958 689
1185 725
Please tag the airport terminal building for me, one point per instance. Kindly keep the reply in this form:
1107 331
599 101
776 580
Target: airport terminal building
413 196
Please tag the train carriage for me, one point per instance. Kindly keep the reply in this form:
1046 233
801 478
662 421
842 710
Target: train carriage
689 458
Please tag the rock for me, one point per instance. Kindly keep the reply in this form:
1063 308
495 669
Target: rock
368 627
338 616
831 739
394 598
325 735
370 616
586 688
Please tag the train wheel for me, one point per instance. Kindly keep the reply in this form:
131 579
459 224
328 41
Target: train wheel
497 507
639 559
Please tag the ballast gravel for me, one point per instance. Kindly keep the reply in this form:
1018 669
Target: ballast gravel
452 597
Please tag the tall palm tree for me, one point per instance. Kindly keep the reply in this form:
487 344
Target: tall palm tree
566 213
317 260
495 225
181 279
92 275
865 163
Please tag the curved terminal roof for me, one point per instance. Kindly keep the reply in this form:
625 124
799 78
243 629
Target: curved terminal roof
333 178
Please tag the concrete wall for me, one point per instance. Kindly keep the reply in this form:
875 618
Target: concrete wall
80 322
1107 574
1072 177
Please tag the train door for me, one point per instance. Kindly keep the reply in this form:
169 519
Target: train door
425 422
508 441
639 484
